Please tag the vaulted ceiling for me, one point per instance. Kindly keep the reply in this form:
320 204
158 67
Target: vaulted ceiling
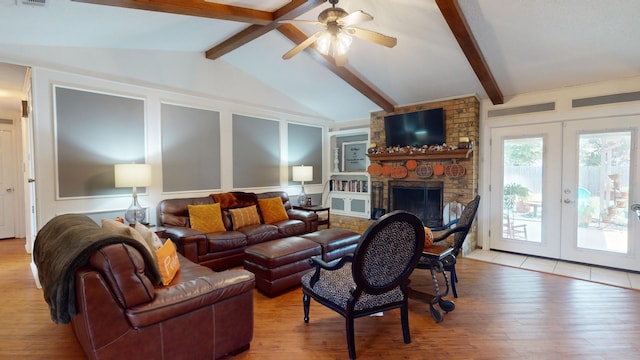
446 48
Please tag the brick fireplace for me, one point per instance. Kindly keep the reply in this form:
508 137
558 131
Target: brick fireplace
461 120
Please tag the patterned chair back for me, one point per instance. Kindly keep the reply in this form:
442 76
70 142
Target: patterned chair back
465 220
388 252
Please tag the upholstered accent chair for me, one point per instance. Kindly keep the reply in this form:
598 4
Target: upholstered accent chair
459 229
374 279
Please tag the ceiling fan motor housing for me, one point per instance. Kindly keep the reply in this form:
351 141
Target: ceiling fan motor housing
331 15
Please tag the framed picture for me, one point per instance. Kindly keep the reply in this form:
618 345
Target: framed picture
354 156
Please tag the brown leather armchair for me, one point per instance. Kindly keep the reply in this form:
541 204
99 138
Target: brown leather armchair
200 314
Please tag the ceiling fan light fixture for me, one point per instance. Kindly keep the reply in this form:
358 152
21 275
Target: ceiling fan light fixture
323 44
342 43
334 44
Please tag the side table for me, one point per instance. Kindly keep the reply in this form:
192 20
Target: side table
316 209
433 258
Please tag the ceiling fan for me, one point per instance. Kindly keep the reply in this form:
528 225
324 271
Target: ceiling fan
335 39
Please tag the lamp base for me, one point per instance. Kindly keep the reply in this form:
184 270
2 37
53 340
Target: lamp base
302 198
135 212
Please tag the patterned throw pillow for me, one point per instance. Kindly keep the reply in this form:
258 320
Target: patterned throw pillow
244 216
272 210
149 236
206 218
168 262
125 230
128 231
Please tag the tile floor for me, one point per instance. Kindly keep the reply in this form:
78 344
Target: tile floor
593 273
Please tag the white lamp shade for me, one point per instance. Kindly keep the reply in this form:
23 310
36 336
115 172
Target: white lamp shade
302 173
132 175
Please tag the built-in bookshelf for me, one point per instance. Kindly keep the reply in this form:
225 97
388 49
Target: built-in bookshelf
349 182
349 185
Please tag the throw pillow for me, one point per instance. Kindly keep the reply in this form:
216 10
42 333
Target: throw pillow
126 230
168 262
149 236
428 237
272 210
244 216
206 218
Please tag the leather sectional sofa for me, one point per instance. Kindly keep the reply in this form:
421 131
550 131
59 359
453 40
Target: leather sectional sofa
223 249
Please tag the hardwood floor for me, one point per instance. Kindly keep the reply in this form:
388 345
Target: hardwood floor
502 313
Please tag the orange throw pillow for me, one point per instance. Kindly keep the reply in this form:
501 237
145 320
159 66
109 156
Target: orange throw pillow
244 216
168 262
272 210
206 218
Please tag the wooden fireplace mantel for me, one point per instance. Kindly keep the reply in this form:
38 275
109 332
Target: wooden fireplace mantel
429 155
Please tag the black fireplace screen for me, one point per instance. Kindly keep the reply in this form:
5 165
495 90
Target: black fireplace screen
422 198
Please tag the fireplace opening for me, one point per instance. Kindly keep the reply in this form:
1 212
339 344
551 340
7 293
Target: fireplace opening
422 198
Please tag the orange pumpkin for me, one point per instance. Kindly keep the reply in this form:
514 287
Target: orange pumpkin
386 170
399 172
428 237
411 164
374 169
454 170
438 169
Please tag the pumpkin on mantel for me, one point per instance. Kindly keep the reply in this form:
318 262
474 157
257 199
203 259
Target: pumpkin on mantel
424 171
438 169
374 169
454 170
399 172
411 164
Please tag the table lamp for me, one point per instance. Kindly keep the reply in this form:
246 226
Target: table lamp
302 173
133 176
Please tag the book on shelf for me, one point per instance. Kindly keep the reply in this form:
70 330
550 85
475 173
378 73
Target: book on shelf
349 185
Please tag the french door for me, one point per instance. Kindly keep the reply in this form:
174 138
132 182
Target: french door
564 191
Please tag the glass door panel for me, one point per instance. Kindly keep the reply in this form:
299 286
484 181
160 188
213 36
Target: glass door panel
525 188
601 168
603 195
522 189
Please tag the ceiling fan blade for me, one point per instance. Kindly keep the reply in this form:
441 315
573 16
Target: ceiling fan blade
354 18
372 36
303 45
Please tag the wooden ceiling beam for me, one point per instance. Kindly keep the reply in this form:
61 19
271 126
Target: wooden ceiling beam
292 10
262 22
460 28
197 8
297 36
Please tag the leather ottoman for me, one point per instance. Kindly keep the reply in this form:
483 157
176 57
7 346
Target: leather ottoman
279 264
335 242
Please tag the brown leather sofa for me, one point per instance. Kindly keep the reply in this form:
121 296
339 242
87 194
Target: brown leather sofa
200 314
221 250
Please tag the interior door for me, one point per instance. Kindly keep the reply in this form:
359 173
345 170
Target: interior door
7 183
525 189
600 183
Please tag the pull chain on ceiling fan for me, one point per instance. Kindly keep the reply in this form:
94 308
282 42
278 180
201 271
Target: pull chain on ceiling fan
336 38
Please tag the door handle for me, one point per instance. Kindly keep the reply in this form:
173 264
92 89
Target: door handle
636 209
31 180
10 190
567 201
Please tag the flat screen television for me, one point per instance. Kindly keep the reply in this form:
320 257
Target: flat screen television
417 128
